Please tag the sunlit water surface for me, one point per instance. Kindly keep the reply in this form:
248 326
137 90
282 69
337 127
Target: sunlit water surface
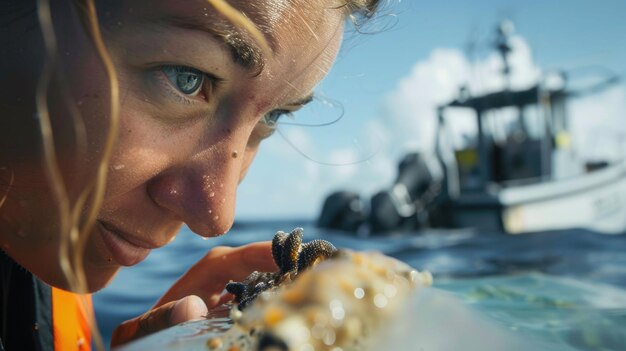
563 290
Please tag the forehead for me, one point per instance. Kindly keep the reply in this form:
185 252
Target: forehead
288 26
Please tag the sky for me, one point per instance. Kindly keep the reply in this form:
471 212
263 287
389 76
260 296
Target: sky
387 82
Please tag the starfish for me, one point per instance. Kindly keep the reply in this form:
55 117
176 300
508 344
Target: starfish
291 257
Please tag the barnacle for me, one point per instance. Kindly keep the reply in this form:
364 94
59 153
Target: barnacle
291 256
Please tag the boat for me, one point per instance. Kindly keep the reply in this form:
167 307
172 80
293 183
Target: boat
519 172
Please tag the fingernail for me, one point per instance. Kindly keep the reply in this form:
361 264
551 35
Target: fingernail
188 309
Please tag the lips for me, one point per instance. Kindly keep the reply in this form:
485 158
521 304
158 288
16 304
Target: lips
125 250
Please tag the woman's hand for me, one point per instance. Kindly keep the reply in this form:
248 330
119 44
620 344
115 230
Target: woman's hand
198 290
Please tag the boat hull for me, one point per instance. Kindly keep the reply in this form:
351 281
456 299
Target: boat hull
595 200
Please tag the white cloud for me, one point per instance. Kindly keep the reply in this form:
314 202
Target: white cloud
409 111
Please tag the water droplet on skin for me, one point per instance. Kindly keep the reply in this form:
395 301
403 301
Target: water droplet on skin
211 194
221 185
204 237
223 200
235 154
210 211
215 218
118 167
173 192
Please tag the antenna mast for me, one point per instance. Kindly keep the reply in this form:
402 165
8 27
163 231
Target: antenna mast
504 31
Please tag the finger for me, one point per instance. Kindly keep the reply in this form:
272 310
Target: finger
172 313
259 256
208 277
223 264
255 254
188 309
242 261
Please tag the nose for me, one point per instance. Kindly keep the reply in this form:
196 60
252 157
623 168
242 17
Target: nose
201 191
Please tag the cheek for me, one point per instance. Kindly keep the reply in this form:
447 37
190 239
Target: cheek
87 108
247 161
79 116
147 147
141 152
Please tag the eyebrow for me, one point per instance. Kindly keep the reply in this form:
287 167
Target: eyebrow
244 51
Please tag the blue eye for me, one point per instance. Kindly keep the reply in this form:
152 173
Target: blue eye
186 79
271 118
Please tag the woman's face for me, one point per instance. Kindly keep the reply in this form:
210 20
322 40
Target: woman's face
195 94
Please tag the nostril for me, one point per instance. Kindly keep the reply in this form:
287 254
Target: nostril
166 192
201 194
212 226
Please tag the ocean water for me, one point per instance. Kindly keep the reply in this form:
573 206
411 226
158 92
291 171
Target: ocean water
562 290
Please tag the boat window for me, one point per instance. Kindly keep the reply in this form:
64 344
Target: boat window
462 128
501 124
535 122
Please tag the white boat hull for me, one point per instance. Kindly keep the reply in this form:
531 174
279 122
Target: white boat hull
595 201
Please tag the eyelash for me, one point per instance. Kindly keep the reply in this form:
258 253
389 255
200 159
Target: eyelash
271 118
206 87
268 123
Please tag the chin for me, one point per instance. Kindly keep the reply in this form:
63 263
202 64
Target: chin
96 281
99 280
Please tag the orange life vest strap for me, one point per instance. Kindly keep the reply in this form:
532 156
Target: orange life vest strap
69 320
